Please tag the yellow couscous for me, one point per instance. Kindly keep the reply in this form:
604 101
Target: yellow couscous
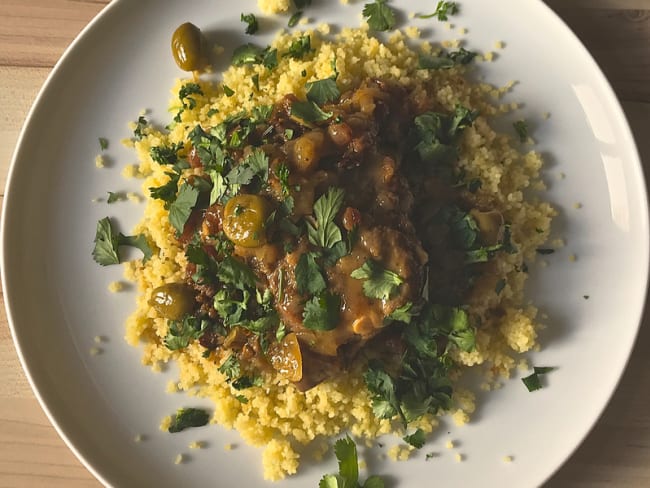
276 416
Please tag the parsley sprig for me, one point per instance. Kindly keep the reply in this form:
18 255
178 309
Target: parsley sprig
379 15
348 476
108 242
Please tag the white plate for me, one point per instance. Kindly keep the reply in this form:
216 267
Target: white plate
57 296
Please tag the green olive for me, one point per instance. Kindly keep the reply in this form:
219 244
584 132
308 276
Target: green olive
244 218
173 300
189 47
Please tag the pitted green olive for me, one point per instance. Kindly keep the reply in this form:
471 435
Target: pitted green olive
189 47
244 220
173 300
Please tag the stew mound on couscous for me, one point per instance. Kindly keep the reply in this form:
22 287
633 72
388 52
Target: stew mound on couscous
335 233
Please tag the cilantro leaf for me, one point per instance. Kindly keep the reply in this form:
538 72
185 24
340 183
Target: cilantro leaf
231 367
114 196
238 274
251 21
103 143
293 20
443 10
383 391
403 313
380 16
141 124
256 164
309 278
380 283
416 439
521 128
106 243
308 112
322 91
181 332
326 233
184 94
188 417
348 476
252 54
446 60
299 47
166 155
181 208
322 311
346 453
168 191
138 241
533 381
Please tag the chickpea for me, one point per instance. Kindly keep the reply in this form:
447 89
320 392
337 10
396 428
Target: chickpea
189 47
173 300
244 218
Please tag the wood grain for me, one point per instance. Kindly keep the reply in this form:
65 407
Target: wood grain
34 34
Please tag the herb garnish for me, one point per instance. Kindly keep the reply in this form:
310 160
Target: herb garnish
309 278
379 283
293 20
521 128
180 209
107 243
181 332
446 60
188 417
322 91
380 17
251 21
299 47
322 311
103 143
416 439
141 124
308 112
532 381
348 476
443 9
325 233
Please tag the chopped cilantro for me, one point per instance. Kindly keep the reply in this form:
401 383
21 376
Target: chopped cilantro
544 251
308 112
348 476
293 20
322 311
114 196
184 94
325 233
103 143
282 173
180 209
299 48
322 91
379 283
229 92
107 243
309 278
403 313
166 155
181 332
251 21
416 439
188 417
521 128
166 192
252 54
231 367
446 60
140 125
443 10
380 17
533 381
236 273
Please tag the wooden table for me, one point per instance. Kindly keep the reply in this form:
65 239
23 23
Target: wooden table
33 35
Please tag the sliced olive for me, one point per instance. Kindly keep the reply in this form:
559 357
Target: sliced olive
189 47
173 300
244 218
286 358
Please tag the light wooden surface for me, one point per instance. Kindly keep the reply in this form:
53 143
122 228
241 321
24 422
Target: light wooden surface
33 35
